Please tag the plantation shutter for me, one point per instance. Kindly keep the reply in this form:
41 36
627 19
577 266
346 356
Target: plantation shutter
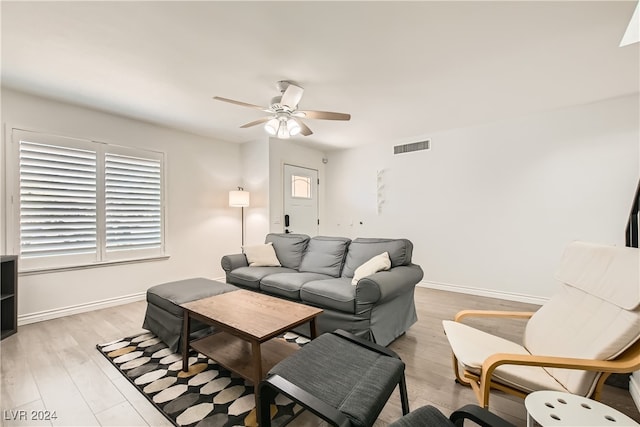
57 200
133 202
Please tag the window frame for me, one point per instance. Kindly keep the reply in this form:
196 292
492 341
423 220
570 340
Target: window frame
101 256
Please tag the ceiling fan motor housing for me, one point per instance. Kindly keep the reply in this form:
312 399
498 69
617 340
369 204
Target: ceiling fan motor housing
277 106
284 84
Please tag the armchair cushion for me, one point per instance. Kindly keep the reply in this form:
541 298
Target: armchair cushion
472 346
610 273
429 416
425 416
344 372
597 307
592 328
581 333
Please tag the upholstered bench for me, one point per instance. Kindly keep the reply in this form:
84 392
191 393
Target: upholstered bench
164 314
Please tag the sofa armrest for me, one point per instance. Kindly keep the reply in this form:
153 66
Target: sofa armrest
231 262
385 285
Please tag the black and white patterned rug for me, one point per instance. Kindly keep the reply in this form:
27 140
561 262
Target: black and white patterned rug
207 395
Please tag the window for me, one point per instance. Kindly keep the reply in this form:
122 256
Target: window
133 203
82 202
300 187
57 200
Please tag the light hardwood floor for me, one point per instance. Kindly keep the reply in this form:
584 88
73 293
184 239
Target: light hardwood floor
54 366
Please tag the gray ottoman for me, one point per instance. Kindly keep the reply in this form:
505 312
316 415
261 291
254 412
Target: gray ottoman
339 377
164 314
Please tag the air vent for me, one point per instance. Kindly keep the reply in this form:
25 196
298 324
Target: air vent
414 146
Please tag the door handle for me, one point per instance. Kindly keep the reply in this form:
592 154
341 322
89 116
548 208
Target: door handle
286 224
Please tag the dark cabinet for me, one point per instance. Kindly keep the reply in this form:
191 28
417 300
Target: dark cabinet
8 295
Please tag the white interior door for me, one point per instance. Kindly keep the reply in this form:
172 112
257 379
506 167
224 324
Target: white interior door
300 200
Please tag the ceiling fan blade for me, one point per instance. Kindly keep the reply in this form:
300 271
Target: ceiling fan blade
291 96
304 129
322 115
240 103
256 122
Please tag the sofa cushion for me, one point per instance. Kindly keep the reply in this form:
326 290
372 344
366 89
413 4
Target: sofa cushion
334 294
363 249
288 284
289 248
261 255
325 255
377 263
249 277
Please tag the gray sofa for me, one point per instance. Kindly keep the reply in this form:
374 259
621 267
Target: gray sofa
318 271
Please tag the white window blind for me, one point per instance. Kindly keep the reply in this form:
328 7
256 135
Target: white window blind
133 202
78 202
57 200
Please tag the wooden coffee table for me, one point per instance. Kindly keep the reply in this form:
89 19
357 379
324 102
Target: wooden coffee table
246 322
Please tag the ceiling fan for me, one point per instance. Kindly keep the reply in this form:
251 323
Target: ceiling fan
285 119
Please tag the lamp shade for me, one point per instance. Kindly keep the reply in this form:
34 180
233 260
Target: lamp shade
239 198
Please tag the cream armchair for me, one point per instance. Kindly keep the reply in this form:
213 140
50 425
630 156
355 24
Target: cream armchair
588 330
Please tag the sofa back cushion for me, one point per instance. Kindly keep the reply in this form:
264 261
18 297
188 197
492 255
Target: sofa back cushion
289 248
325 255
362 250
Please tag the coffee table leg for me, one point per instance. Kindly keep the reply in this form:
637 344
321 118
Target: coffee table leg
313 330
257 373
186 326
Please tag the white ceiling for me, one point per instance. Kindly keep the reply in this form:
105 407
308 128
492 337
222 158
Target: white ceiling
401 69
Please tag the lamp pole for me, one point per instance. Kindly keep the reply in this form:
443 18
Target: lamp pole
242 215
240 198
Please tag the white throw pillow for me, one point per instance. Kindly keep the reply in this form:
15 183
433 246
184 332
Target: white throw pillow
375 264
261 255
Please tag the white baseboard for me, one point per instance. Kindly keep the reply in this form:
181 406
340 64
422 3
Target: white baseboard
634 388
509 296
40 316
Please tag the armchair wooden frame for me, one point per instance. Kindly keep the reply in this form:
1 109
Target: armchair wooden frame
482 384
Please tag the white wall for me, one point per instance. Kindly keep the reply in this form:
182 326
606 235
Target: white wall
255 158
201 225
490 208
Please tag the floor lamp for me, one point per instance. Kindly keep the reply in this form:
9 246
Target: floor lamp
239 199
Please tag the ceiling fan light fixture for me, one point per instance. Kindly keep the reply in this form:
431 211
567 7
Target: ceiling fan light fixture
272 126
293 126
283 131
285 119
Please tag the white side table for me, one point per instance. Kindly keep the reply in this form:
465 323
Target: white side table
555 408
